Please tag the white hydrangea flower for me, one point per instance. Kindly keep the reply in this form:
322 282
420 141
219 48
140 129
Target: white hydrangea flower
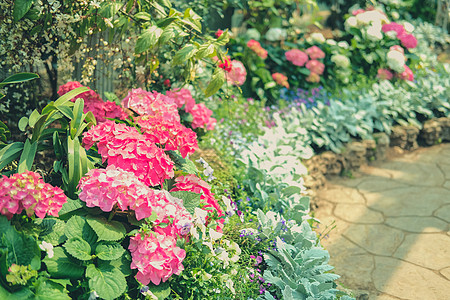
47 247
374 33
351 22
331 42
343 44
408 27
276 34
396 61
317 37
340 60
253 34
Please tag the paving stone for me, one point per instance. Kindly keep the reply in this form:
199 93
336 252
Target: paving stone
358 213
443 213
407 281
415 173
376 171
446 272
377 239
417 225
374 184
428 250
447 184
411 201
445 169
341 194
379 296
336 233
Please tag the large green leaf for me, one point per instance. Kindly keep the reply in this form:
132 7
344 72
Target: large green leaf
70 206
77 226
19 77
62 266
49 290
123 263
107 281
184 54
109 250
21 7
107 231
161 291
27 157
10 153
70 95
75 169
78 248
148 39
52 230
217 80
190 200
78 117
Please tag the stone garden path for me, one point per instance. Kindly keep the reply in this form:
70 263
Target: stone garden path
392 235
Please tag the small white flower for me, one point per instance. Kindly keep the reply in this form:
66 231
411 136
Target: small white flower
408 27
93 295
317 37
396 61
351 22
331 42
343 44
47 247
374 33
229 284
276 34
215 235
140 70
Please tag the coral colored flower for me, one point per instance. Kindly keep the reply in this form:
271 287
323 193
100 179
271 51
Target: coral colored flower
315 52
226 64
408 40
296 57
218 33
358 11
281 79
315 66
313 77
385 74
202 117
182 97
398 28
256 47
407 74
237 74
27 191
156 256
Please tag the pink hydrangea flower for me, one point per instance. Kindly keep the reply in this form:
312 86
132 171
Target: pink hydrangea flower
257 48
315 52
151 103
237 74
281 79
156 256
182 97
296 57
313 77
218 33
408 40
202 117
358 11
398 28
407 74
27 191
315 66
385 74
126 148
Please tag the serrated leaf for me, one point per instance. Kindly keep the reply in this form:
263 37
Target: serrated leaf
107 281
184 54
77 226
217 80
70 206
62 266
52 230
123 264
161 291
109 251
205 50
190 200
47 289
107 231
78 248
148 39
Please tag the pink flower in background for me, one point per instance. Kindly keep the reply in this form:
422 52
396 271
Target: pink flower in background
156 256
296 57
202 117
313 77
398 28
315 52
27 191
407 74
218 33
315 66
408 40
226 64
182 97
358 11
397 48
256 47
385 74
237 74
281 79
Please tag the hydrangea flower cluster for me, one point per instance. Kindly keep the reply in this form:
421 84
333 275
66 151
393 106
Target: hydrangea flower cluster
125 148
256 47
94 103
238 74
152 103
27 191
300 59
156 256
396 59
281 79
200 113
408 40
296 57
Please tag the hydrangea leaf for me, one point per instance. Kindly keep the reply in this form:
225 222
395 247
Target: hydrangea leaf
190 200
62 266
107 231
109 251
49 290
78 248
107 281
52 230
78 227
161 291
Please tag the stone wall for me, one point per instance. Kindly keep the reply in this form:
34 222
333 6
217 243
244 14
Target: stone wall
358 153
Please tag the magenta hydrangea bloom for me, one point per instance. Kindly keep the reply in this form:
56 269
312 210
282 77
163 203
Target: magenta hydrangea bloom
296 57
384 74
315 52
408 40
237 74
27 191
156 256
202 117
407 74
398 28
182 97
315 66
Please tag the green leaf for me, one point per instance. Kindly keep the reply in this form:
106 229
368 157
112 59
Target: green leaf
78 248
109 251
70 206
112 97
107 231
27 157
21 7
107 281
142 15
62 266
184 54
5 134
47 289
217 80
34 117
70 95
77 226
148 39
75 169
205 50
52 230
78 118
66 111
20 77
123 264
22 294
162 291
23 123
10 153
190 200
